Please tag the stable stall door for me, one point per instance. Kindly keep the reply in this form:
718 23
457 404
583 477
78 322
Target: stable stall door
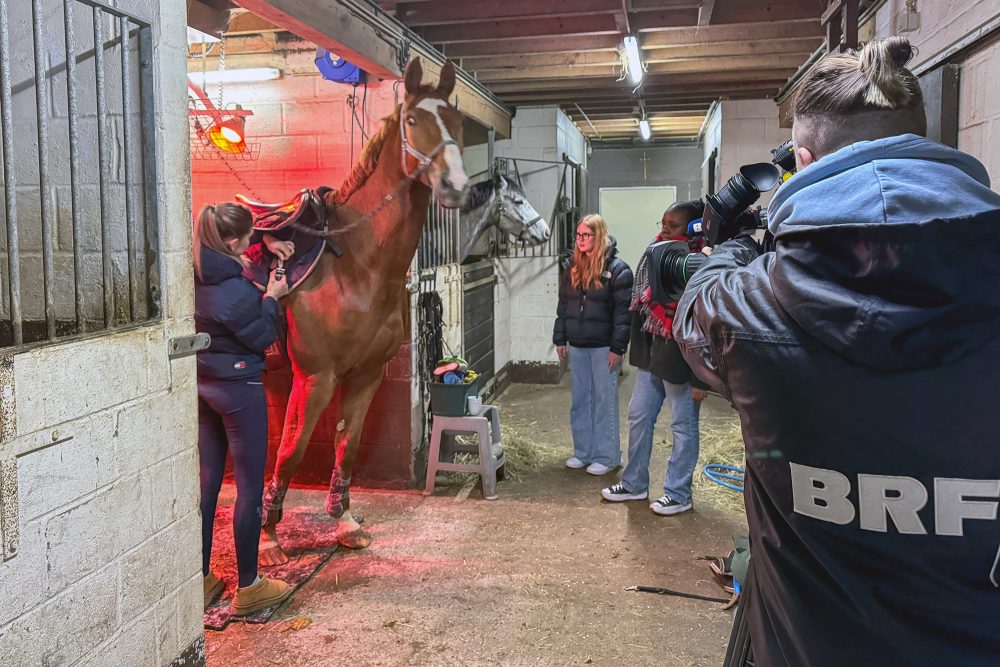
633 216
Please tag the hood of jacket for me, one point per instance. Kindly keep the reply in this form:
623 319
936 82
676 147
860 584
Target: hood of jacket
888 252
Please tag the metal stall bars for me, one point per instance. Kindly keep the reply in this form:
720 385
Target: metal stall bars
114 280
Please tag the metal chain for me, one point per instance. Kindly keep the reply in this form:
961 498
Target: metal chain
222 67
239 178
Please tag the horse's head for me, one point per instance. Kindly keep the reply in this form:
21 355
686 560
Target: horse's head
516 216
431 132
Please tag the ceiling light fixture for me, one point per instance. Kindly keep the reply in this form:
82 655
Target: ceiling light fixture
248 75
634 61
645 130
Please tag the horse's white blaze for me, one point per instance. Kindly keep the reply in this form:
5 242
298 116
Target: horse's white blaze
452 156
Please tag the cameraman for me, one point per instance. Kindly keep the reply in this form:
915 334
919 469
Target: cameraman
863 357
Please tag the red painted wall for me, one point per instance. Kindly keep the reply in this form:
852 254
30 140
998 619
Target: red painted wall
304 127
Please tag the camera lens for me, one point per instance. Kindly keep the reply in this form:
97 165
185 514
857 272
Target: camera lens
671 265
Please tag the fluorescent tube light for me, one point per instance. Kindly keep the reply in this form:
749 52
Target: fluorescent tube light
644 129
248 75
634 61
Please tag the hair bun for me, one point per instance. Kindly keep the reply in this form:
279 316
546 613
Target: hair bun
883 62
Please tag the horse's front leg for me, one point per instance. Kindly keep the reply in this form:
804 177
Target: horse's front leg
357 397
309 397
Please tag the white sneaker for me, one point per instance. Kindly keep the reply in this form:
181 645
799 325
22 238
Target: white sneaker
665 506
574 463
598 469
618 493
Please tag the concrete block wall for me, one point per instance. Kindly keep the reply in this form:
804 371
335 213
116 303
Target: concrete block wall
678 166
100 435
527 292
942 24
749 132
527 287
979 111
58 194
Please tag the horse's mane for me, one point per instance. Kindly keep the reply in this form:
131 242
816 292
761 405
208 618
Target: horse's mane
365 165
479 195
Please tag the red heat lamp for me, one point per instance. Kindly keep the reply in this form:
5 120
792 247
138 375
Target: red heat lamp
228 135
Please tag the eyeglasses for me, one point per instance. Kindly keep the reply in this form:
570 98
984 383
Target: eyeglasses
585 235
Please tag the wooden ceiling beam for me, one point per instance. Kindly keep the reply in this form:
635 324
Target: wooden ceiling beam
636 6
735 13
609 115
802 47
552 44
730 33
723 64
597 24
456 45
658 20
612 85
447 12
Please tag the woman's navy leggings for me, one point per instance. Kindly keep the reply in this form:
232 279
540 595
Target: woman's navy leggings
232 416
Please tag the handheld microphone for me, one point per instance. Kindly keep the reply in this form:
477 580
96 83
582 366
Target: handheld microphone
694 228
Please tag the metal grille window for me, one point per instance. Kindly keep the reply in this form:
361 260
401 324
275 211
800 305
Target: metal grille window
440 239
79 243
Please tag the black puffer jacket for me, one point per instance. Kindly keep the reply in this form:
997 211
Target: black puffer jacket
863 357
596 317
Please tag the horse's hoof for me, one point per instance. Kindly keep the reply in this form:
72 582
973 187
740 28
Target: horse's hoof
270 556
355 539
271 518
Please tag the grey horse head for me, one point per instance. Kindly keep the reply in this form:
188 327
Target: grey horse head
500 202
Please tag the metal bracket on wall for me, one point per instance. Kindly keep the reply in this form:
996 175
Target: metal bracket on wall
184 346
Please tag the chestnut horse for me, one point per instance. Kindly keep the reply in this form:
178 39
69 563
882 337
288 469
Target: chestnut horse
350 316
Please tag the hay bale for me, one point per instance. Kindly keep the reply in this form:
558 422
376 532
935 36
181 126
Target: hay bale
721 442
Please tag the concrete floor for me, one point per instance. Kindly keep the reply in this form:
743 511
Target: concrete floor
535 578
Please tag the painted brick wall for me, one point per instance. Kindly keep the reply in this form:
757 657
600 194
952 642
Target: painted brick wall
100 436
304 127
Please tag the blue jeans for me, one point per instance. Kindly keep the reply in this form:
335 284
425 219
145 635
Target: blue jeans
593 416
232 418
643 409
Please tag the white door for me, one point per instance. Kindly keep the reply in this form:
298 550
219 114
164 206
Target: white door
633 216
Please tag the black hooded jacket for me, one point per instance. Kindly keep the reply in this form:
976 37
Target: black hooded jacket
863 357
596 317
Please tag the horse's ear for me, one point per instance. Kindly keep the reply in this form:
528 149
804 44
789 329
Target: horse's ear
412 77
446 83
497 179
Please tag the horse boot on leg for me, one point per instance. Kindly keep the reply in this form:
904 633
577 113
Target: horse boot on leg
271 552
338 504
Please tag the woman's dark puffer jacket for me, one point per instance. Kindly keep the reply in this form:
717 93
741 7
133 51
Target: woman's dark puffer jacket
230 309
596 317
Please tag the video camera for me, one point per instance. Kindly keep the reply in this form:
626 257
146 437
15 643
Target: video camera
727 214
